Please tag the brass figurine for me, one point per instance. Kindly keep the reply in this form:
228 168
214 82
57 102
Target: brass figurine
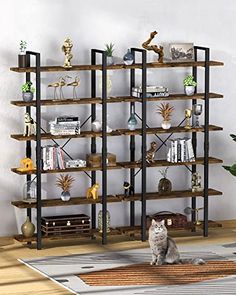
150 154
66 48
155 48
26 164
74 84
59 84
189 210
92 192
188 114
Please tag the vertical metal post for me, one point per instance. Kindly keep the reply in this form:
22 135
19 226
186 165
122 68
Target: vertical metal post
93 140
144 147
132 146
206 140
104 147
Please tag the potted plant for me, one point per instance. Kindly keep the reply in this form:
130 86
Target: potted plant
232 168
22 55
109 51
27 91
189 85
165 110
65 183
164 185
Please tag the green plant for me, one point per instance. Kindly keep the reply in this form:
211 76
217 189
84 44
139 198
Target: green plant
27 87
23 45
189 81
231 169
109 49
163 172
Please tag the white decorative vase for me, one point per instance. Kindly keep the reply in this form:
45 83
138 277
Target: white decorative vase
96 126
65 196
166 124
189 90
110 60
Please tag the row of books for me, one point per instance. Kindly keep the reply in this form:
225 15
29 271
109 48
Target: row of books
151 91
180 150
65 125
52 157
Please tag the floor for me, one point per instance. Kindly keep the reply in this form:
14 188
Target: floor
15 278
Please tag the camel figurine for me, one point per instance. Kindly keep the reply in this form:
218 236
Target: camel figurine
59 84
74 84
92 192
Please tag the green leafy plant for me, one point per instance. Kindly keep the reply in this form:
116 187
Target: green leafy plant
189 81
109 49
23 45
27 87
231 169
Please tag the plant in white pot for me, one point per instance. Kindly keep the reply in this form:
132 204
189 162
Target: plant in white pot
109 51
189 85
165 110
65 183
27 91
22 54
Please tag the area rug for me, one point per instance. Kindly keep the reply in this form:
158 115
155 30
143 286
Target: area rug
129 273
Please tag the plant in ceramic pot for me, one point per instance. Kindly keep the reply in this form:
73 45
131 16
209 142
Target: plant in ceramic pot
189 85
22 54
165 110
232 168
109 48
164 185
27 91
65 183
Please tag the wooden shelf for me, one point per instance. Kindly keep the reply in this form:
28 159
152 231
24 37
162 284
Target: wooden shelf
117 66
118 99
118 132
116 199
120 165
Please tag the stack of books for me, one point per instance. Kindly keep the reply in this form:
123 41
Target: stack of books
180 150
52 158
65 125
151 91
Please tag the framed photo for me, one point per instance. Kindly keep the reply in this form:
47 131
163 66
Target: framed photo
181 51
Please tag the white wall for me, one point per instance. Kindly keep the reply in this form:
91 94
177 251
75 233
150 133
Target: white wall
91 24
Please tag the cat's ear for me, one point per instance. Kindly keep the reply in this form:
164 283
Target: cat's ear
153 221
163 222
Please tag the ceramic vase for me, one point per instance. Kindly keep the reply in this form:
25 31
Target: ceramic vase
128 58
27 96
110 60
166 124
28 228
65 196
164 186
189 90
22 60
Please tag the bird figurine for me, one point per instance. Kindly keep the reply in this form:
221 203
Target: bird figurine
74 84
60 83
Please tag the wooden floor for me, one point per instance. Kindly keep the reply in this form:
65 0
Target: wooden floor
15 278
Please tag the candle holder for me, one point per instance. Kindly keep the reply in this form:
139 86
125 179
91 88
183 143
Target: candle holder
197 110
188 114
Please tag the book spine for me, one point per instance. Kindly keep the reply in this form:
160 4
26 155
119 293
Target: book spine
190 150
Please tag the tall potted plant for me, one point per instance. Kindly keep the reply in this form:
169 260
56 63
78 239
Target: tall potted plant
189 85
109 48
165 110
27 91
232 168
22 54
65 183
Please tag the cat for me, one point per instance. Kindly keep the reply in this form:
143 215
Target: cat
164 249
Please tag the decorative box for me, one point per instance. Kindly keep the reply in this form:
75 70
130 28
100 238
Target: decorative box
95 160
65 224
172 220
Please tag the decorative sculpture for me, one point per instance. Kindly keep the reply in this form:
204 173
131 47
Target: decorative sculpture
26 164
155 48
29 126
60 83
92 192
74 84
128 189
150 154
189 210
66 48
188 115
108 221
196 182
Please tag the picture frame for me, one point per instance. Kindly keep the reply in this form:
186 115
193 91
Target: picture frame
181 51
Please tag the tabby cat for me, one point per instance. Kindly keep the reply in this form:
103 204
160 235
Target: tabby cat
163 248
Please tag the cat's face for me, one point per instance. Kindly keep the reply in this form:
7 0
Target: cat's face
158 226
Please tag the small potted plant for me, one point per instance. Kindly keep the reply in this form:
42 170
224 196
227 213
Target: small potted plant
109 51
65 183
165 110
164 185
22 54
27 91
189 85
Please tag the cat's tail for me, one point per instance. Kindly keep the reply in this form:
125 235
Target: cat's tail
194 261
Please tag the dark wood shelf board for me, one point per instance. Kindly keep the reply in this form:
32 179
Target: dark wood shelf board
118 99
118 132
116 199
116 67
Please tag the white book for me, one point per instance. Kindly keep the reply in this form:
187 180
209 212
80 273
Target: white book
191 155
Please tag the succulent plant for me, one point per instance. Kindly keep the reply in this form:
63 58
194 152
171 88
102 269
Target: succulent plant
23 45
109 49
165 110
65 182
27 87
189 81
